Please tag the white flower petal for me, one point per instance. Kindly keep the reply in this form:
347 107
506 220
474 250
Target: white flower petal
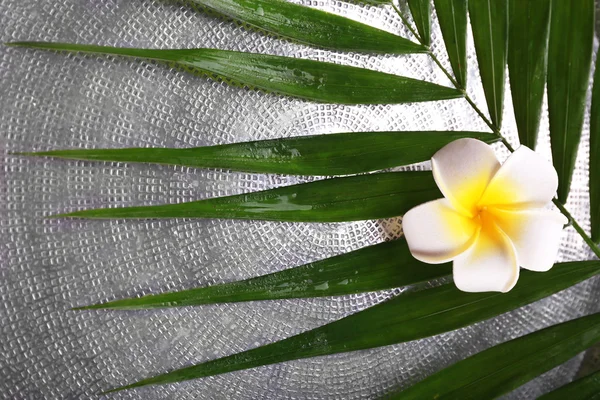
490 265
534 233
525 180
436 233
462 171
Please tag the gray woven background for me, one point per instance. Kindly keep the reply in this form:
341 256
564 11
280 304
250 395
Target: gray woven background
50 101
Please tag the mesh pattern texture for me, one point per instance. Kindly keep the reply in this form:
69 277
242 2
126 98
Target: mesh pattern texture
52 101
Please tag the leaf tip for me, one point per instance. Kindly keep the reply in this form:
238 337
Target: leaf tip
22 153
97 306
19 44
83 308
127 387
64 215
118 389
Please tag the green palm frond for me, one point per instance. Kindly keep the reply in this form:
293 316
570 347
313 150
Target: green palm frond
502 368
333 154
382 266
489 20
421 12
594 179
312 27
531 36
353 198
527 64
307 79
406 317
452 16
587 388
569 59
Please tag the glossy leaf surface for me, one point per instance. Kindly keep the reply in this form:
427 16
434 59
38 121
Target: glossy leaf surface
489 21
569 59
594 178
586 388
406 317
332 154
421 12
527 64
308 79
452 17
313 27
382 266
352 198
502 368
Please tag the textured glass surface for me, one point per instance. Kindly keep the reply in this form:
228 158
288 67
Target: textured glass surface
51 101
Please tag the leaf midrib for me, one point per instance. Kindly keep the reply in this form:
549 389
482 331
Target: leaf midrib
529 73
455 28
567 105
493 69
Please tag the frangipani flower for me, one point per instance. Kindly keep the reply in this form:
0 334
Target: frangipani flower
492 219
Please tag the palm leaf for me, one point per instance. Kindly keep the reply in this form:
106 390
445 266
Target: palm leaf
502 368
527 63
569 59
452 16
594 178
414 315
308 79
382 266
313 27
352 198
406 317
332 154
421 12
489 21
587 388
